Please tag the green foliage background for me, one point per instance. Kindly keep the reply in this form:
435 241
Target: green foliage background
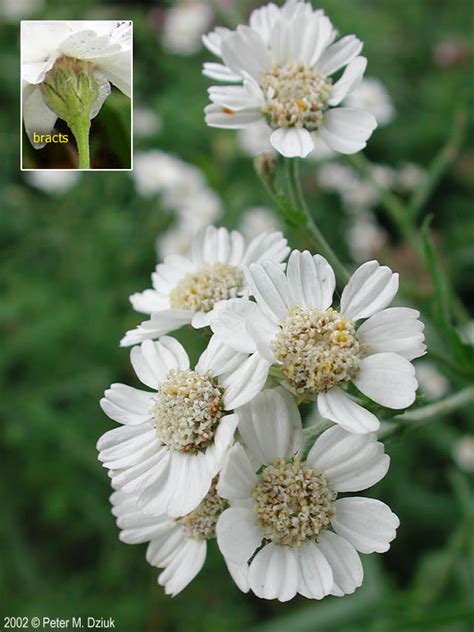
68 264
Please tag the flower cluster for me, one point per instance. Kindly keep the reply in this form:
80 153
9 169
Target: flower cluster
217 450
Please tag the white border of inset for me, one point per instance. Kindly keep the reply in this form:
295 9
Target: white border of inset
131 102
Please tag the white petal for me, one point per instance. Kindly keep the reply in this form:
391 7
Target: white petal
160 323
183 568
368 524
370 289
244 50
219 72
316 578
244 382
237 477
126 404
347 130
337 406
219 358
271 289
37 116
271 246
218 116
117 69
349 462
263 19
181 487
153 361
396 330
148 301
292 142
238 534
344 561
311 279
270 425
388 379
349 81
339 54
215 454
273 573
213 40
230 325
239 573
237 98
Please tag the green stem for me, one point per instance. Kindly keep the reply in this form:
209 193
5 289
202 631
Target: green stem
81 128
297 197
425 414
440 164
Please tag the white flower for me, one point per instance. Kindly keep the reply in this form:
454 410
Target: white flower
254 139
365 237
371 95
191 290
316 351
285 518
146 122
14 10
258 219
156 171
178 545
184 25
52 181
358 194
432 383
284 61
464 453
104 47
173 440
409 177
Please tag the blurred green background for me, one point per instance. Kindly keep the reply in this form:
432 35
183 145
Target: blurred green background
69 260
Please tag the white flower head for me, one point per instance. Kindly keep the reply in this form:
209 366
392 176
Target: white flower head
172 441
52 181
285 519
283 64
463 453
156 171
184 25
178 545
100 50
192 289
316 350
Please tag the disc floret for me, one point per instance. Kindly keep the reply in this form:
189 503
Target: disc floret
188 408
316 350
200 291
293 502
296 96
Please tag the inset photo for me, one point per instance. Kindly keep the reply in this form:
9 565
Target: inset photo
76 95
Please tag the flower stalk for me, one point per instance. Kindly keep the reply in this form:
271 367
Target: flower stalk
71 90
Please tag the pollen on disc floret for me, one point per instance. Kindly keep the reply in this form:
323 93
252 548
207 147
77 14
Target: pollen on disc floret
200 524
293 502
316 350
200 291
188 408
296 96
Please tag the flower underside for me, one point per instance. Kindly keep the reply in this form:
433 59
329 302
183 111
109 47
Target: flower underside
293 502
200 524
200 291
296 96
187 411
316 350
